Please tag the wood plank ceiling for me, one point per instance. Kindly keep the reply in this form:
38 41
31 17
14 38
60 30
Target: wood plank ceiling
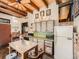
20 8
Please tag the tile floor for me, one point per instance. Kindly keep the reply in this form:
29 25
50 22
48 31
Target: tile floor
46 57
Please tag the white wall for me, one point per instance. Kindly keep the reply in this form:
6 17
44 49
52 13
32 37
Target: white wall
54 15
30 22
5 16
15 25
22 20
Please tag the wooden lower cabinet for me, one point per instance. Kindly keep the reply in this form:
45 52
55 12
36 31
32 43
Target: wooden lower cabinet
49 47
45 44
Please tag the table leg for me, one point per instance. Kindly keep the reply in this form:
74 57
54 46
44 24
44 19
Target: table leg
36 50
9 49
26 56
22 56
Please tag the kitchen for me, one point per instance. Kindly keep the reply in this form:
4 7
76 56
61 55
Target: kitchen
36 29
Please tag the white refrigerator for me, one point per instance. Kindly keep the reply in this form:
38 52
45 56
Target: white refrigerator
63 42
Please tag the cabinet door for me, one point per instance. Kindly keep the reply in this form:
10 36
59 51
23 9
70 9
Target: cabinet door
5 34
49 47
50 25
38 27
43 27
40 44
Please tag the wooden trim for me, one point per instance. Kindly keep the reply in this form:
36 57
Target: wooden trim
65 4
62 20
69 14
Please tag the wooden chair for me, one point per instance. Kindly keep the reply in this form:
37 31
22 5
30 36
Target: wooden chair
40 55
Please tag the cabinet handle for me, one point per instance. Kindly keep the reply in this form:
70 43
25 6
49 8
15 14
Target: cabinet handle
69 38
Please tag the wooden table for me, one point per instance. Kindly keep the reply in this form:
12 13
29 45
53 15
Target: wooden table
23 47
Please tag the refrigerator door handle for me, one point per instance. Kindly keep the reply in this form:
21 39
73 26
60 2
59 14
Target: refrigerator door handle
69 38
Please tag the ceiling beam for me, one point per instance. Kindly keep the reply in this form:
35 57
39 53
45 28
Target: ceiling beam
14 7
12 10
8 14
29 10
5 13
34 5
12 1
45 2
9 11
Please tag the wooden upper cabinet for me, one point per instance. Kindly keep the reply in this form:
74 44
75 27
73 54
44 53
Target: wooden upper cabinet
64 11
